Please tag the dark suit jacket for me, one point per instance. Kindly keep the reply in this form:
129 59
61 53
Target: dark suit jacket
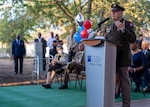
44 44
18 49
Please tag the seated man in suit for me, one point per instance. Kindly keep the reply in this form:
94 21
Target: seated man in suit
59 61
75 66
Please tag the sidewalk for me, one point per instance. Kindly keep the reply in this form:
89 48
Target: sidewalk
136 103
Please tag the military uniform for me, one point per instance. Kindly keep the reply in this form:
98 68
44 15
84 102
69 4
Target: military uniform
122 38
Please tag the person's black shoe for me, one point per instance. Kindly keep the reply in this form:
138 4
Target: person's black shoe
146 90
137 90
46 85
63 87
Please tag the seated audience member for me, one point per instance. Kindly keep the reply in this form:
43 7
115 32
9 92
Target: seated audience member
146 54
136 69
59 61
75 66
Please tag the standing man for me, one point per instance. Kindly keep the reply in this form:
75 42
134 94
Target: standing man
44 45
52 45
18 53
122 32
72 46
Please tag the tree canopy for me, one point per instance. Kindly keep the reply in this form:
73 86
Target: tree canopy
24 16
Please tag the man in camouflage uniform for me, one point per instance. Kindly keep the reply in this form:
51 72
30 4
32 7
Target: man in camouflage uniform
122 33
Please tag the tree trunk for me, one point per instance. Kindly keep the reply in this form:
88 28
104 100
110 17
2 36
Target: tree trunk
101 16
89 8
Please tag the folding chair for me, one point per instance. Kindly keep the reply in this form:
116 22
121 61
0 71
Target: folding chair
60 74
78 78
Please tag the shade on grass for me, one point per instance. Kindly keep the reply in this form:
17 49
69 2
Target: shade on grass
37 96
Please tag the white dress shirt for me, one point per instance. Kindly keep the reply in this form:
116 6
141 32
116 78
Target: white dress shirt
50 42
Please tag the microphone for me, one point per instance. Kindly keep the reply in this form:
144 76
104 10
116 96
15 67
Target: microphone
100 23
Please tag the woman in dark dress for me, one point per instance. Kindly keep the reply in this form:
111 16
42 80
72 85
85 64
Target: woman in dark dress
136 69
59 61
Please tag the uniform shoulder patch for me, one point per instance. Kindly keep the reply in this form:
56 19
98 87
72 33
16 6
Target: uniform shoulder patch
130 24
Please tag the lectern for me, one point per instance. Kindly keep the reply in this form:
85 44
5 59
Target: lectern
38 61
38 52
100 56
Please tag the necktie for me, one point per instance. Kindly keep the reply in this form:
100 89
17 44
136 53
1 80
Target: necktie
18 42
144 52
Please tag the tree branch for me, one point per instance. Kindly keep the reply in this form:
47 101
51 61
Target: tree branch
65 11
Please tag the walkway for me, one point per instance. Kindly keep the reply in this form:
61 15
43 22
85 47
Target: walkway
137 103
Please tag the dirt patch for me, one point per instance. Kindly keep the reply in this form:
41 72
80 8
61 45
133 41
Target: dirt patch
7 76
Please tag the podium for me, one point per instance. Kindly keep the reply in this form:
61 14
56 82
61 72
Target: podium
100 56
38 52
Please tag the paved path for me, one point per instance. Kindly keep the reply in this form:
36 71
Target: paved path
137 103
